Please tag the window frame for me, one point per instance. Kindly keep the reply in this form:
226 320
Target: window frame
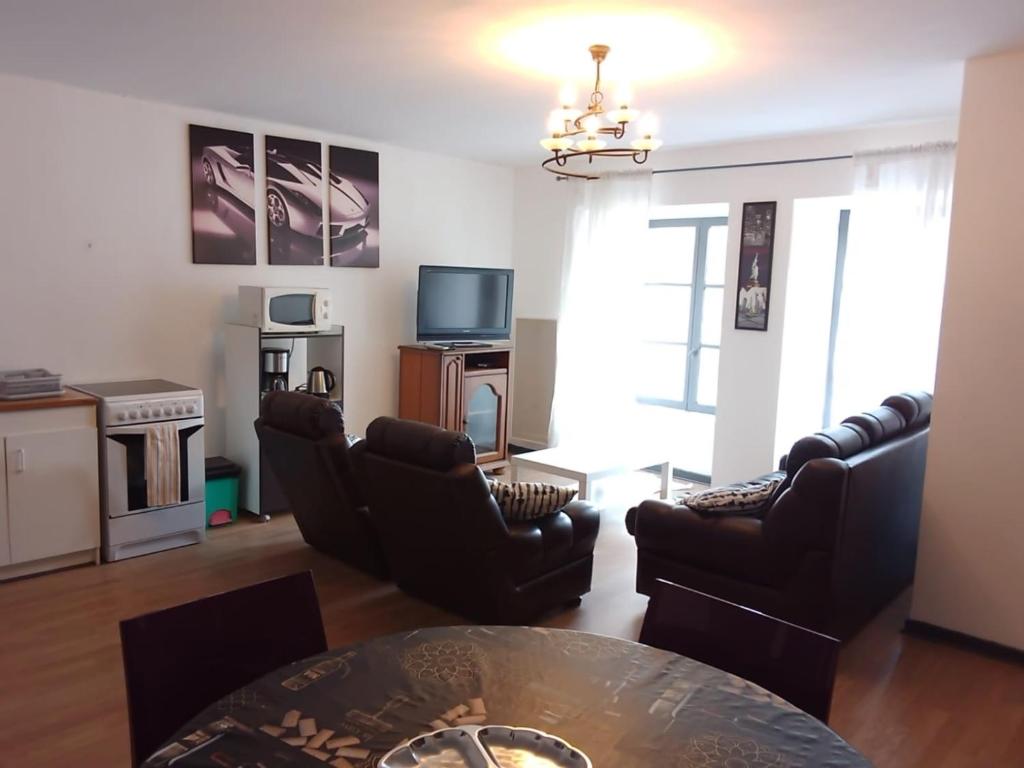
698 284
837 297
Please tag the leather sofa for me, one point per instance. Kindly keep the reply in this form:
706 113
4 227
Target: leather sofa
835 543
303 440
446 540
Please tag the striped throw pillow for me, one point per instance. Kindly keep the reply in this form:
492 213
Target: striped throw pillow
738 499
528 501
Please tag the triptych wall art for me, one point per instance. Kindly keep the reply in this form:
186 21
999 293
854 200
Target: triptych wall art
757 246
223 196
299 201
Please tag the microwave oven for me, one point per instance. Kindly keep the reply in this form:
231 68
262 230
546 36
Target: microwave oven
283 310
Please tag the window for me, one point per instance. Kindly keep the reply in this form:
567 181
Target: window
681 322
837 294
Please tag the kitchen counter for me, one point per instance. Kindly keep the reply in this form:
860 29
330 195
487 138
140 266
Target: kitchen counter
70 399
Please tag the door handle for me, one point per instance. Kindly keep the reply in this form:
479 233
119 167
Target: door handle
19 460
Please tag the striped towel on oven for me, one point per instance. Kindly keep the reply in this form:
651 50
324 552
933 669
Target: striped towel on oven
163 465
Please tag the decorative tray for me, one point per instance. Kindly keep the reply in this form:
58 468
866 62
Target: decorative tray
485 746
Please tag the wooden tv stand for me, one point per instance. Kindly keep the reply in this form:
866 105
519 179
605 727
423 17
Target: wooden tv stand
465 389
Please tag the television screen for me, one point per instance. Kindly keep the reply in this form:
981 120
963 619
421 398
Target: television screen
467 303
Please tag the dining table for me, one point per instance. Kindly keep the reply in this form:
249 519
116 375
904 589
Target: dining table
616 702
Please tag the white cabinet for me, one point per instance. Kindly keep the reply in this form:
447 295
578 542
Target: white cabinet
52 487
49 489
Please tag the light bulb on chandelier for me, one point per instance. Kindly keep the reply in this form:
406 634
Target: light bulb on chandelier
568 121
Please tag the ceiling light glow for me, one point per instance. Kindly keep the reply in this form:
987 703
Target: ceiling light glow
651 45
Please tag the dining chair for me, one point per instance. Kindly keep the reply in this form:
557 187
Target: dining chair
792 662
180 660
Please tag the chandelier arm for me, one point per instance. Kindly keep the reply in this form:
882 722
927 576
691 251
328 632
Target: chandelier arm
562 159
546 165
578 122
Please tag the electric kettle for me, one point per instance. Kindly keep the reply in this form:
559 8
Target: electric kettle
320 383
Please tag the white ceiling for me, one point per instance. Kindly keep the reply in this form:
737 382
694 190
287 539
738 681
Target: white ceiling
423 73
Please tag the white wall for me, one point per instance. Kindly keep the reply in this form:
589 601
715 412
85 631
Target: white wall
750 361
970 566
96 279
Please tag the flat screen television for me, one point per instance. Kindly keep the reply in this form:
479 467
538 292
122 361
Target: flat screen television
464 304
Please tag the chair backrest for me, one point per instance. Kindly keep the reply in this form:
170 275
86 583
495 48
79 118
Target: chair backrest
303 440
179 660
436 514
792 662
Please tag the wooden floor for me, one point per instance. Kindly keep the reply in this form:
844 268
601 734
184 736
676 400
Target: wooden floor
901 700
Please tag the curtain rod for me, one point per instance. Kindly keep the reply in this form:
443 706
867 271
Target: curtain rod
753 165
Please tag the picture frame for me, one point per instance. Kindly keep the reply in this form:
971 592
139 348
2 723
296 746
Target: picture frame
222 182
754 275
354 208
294 197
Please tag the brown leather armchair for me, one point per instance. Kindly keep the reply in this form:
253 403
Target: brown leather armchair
446 540
835 543
303 440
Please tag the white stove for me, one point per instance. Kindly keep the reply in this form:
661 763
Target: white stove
130 412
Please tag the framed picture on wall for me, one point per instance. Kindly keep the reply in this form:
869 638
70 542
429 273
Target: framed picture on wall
295 201
223 196
354 208
754 282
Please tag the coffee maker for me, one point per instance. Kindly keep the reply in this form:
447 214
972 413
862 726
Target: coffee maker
275 369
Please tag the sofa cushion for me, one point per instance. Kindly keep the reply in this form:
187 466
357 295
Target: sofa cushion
839 442
914 407
529 501
880 424
747 498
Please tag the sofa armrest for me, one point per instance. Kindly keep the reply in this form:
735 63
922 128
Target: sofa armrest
586 522
728 545
806 516
535 546
664 525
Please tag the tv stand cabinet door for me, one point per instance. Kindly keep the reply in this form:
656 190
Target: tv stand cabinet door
452 384
485 410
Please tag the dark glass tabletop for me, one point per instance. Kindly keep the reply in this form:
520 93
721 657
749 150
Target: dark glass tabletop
623 704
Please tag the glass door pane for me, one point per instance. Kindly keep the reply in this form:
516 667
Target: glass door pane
662 372
707 377
665 314
711 317
482 419
714 267
669 257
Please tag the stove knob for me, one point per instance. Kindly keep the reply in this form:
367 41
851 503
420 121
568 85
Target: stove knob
133 415
179 410
191 408
145 413
121 416
168 411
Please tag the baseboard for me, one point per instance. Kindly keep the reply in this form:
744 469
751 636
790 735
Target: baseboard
526 444
47 564
962 639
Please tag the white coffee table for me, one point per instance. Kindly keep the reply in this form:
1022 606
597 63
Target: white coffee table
585 465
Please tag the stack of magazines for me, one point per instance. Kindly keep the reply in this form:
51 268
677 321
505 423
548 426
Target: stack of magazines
29 382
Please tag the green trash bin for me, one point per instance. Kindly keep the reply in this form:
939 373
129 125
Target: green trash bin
221 491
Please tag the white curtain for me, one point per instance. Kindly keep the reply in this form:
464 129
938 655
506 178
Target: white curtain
888 332
595 394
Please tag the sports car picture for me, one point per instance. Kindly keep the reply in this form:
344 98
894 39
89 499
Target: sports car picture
294 201
223 191
231 170
355 208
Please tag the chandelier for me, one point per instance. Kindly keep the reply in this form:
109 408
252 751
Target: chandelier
568 122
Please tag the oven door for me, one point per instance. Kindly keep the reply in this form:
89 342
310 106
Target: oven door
125 466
